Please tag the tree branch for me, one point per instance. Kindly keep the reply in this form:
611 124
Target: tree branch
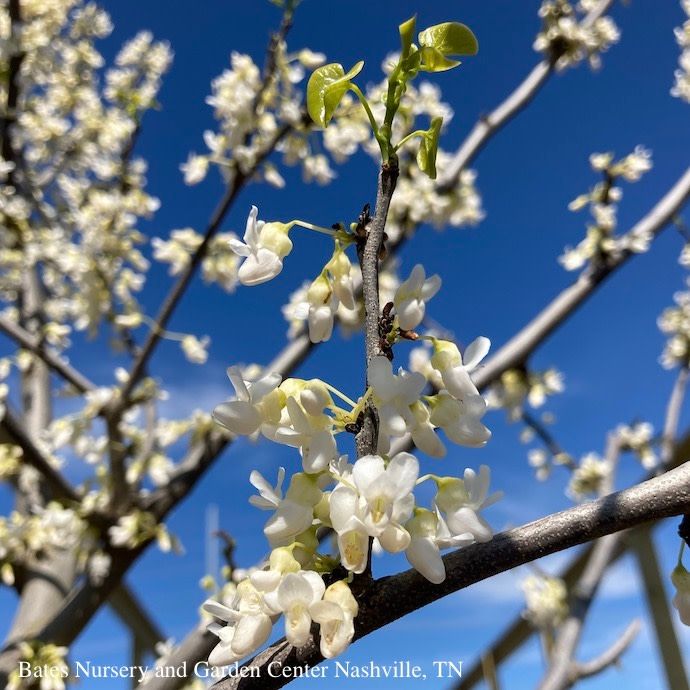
673 409
236 185
520 630
610 657
560 673
490 124
390 598
520 347
29 342
369 253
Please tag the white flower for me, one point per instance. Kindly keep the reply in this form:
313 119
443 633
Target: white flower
252 407
322 305
547 601
422 430
264 248
335 614
428 534
393 395
460 419
340 268
681 601
353 535
589 478
317 168
462 499
455 372
311 433
296 594
385 493
194 169
293 514
195 349
310 59
248 625
412 295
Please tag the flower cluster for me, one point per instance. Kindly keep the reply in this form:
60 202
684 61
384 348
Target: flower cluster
82 191
638 438
518 387
601 241
543 460
370 499
589 478
25 536
138 527
44 656
547 602
674 322
219 264
251 115
681 87
567 38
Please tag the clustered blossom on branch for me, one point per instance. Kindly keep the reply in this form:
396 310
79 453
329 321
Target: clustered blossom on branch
602 200
547 602
372 498
371 501
589 477
638 438
518 387
43 656
567 39
681 87
674 322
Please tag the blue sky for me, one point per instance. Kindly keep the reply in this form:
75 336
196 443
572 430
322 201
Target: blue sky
496 277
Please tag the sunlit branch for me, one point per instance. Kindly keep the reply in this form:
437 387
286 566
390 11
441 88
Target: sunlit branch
391 598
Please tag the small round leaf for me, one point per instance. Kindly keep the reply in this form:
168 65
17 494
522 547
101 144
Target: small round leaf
327 85
450 38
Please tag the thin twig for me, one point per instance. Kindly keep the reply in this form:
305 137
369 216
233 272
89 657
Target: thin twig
611 656
488 125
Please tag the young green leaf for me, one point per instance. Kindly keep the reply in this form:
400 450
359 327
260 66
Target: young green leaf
407 30
450 38
327 85
428 147
433 60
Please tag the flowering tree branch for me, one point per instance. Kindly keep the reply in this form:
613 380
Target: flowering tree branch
519 347
75 378
393 597
520 630
237 183
490 124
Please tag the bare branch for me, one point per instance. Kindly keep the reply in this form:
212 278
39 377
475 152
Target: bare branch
673 409
488 125
611 656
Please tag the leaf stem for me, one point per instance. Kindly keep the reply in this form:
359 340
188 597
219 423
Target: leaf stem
417 133
383 145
